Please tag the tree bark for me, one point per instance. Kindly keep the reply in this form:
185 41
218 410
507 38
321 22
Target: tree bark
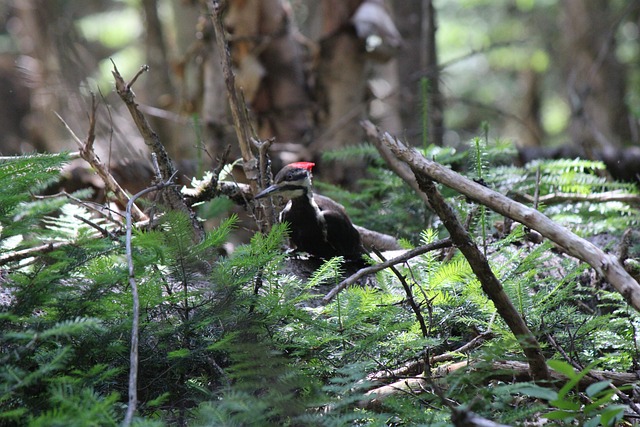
341 88
595 79
435 107
159 91
269 66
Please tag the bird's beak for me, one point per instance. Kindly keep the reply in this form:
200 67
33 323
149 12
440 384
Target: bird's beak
269 190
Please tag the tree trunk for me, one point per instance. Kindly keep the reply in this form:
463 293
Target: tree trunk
159 91
594 77
530 132
435 108
269 69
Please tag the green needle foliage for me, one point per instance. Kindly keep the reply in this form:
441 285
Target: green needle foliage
230 339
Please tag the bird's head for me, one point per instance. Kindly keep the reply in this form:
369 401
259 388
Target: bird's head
293 180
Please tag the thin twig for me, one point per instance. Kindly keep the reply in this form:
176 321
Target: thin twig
375 268
143 69
92 206
133 370
109 181
410 299
102 230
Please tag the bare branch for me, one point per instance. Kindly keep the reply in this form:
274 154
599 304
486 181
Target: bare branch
414 367
506 370
8 257
490 283
608 196
410 299
241 121
400 168
89 155
133 370
375 268
171 196
606 265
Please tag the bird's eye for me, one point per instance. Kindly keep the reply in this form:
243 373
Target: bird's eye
290 176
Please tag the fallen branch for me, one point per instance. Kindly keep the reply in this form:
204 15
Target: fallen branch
506 370
398 167
490 283
605 265
19 255
374 239
608 196
415 367
375 268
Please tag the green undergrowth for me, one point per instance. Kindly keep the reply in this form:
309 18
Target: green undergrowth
231 340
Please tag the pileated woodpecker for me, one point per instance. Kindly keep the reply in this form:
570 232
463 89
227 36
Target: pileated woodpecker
318 225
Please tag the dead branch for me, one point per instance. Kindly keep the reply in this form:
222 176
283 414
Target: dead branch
171 194
400 168
415 367
89 155
410 298
374 239
12 256
605 265
488 280
241 121
375 268
506 370
133 357
608 196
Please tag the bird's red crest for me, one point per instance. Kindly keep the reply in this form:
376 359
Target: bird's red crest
303 165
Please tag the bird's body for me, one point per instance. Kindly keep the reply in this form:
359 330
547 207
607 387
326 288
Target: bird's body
318 225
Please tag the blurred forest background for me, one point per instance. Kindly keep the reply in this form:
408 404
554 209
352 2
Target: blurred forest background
555 77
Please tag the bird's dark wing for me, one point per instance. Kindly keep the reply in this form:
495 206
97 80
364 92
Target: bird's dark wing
340 231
